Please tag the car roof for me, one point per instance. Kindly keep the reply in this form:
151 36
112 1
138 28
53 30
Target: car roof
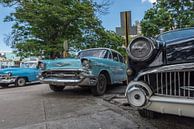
102 48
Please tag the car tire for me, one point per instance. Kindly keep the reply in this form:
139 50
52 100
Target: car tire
125 83
147 114
20 81
56 88
101 86
4 85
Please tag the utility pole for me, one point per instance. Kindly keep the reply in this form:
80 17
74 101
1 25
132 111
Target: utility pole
126 21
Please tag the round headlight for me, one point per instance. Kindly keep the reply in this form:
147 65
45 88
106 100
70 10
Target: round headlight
86 63
141 49
42 65
10 74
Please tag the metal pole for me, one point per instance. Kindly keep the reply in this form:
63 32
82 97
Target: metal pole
126 20
126 17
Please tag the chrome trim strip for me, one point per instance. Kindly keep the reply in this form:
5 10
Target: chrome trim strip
65 70
189 84
48 80
182 41
170 83
179 83
172 100
175 83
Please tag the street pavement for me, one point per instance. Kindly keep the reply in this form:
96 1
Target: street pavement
37 107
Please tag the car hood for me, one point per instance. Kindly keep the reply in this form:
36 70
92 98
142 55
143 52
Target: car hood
67 63
16 70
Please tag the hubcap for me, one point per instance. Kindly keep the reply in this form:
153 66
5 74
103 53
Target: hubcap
21 82
102 84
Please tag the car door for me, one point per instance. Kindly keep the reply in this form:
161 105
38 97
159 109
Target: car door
32 74
116 68
123 68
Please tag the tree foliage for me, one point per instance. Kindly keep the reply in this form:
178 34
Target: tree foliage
168 15
41 26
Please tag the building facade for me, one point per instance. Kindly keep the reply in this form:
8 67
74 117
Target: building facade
133 29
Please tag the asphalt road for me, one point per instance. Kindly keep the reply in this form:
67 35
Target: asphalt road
37 107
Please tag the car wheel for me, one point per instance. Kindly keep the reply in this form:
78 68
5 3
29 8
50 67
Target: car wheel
125 83
101 86
4 85
147 114
56 88
20 82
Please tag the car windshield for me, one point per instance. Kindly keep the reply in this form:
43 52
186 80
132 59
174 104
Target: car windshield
28 65
92 53
176 35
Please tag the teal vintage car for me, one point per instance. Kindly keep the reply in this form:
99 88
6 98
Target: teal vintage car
96 68
27 73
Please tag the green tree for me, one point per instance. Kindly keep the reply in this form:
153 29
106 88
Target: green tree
168 15
43 25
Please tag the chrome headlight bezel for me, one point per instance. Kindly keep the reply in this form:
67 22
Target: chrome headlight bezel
85 63
42 66
141 49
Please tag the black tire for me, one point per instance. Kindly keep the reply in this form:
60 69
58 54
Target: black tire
101 86
56 88
125 83
4 85
147 114
20 81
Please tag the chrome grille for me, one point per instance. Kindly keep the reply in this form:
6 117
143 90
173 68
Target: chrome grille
61 74
178 84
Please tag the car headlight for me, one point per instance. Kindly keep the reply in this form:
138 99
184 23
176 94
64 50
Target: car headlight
42 66
9 74
141 49
86 63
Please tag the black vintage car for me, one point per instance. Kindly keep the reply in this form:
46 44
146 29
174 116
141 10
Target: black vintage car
163 70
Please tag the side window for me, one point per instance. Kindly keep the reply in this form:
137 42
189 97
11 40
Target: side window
121 59
115 56
108 55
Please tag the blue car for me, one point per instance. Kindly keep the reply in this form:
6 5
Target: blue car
26 73
96 68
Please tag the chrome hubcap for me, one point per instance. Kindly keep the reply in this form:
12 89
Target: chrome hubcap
21 82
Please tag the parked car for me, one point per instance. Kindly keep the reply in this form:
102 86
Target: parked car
163 73
26 73
96 68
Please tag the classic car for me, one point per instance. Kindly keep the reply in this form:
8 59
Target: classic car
96 68
163 73
26 73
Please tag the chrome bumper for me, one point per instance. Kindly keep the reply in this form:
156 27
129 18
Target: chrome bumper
7 81
169 105
68 82
140 96
84 80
